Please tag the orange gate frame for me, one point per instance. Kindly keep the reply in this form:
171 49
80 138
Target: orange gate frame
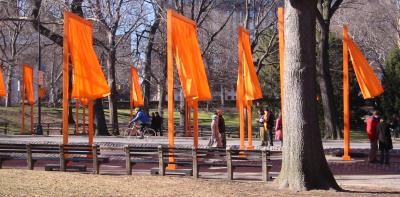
281 29
88 81
191 70
248 86
369 84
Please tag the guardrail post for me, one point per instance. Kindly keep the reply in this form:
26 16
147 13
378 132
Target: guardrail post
29 156
128 163
161 166
264 159
96 163
229 163
195 166
62 158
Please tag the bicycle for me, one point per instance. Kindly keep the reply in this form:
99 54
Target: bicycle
134 130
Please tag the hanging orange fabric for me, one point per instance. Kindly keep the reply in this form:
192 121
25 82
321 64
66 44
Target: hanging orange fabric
136 92
370 85
250 84
28 83
88 78
188 58
2 86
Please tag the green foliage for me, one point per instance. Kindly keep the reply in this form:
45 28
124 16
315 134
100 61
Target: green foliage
390 101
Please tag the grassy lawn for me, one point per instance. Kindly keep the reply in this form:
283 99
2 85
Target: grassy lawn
12 115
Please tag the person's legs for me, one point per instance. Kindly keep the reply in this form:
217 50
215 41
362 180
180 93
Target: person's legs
372 152
382 156
387 156
271 138
223 139
263 136
142 126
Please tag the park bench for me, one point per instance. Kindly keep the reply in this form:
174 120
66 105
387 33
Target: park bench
182 158
140 155
204 157
70 153
9 152
248 159
36 152
4 127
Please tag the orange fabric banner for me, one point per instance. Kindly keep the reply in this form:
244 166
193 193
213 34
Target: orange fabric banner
88 78
28 83
186 51
370 85
2 86
248 86
136 92
247 82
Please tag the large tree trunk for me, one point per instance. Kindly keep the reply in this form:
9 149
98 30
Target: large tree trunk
324 78
99 119
147 67
112 98
10 75
304 166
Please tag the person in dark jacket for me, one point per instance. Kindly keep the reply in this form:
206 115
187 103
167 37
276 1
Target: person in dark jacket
159 122
385 141
221 127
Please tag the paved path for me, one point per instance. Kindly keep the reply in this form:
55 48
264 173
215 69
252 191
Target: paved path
164 140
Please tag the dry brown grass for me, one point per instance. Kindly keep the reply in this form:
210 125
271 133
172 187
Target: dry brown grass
16 182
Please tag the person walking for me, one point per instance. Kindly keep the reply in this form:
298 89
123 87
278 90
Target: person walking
263 131
159 122
221 127
278 129
215 140
372 122
269 125
385 141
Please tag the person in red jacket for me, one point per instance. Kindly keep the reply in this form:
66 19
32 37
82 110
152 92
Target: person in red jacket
372 123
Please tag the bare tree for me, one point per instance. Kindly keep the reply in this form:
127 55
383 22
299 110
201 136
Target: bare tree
14 40
304 166
119 19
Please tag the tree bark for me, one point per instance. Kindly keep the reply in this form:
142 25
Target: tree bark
10 75
323 75
222 91
147 67
112 98
304 166
99 119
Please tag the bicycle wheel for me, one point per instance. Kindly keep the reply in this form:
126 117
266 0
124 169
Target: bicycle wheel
127 132
149 132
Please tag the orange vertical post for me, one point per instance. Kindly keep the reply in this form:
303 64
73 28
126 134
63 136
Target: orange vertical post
91 129
195 123
31 119
76 116
65 82
281 33
249 127
241 126
346 97
170 79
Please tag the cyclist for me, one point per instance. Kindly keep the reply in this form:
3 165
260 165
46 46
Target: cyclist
143 118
